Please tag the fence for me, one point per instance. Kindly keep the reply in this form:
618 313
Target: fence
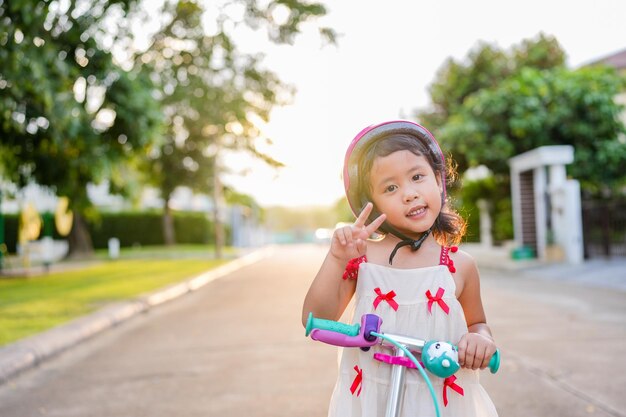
604 228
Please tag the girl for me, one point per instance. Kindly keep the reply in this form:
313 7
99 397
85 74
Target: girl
410 275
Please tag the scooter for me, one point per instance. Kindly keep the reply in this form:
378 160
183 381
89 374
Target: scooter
438 357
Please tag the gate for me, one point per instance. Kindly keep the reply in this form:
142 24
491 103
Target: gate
604 228
527 203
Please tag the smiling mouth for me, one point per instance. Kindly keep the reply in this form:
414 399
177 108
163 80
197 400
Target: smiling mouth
416 211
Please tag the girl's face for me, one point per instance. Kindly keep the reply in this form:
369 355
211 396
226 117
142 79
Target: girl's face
405 188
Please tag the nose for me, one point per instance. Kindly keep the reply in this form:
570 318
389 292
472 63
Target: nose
410 194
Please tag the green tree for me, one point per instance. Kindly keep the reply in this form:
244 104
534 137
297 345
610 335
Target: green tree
211 92
497 105
69 115
550 107
485 67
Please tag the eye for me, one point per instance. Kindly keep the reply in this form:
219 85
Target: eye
438 345
390 188
417 177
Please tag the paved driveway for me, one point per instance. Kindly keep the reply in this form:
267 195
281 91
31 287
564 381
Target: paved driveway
236 348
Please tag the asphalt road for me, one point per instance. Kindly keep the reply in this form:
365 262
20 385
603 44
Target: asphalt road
236 348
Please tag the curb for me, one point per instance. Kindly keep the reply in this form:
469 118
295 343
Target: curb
28 353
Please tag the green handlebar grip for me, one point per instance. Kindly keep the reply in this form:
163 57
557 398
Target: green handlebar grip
334 326
494 363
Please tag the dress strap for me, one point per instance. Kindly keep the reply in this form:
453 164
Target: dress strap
352 268
444 257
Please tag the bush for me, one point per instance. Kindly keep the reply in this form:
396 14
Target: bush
496 192
194 228
133 228
146 228
10 231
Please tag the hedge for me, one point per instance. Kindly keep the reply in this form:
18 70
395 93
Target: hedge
133 228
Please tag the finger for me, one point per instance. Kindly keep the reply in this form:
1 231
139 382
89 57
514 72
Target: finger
479 358
360 220
373 226
361 246
487 359
461 350
347 232
470 355
340 236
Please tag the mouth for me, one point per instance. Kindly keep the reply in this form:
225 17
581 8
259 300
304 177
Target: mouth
416 211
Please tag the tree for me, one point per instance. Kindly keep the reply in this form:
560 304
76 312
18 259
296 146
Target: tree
500 104
212 93
69 115
485 67
545 107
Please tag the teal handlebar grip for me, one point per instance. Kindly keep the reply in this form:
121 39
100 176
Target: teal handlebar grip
333 326
494 363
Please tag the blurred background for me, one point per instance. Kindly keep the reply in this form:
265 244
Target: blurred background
224 123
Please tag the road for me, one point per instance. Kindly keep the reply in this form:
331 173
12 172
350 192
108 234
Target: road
236 348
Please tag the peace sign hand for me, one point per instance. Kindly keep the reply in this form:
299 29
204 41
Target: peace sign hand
349 242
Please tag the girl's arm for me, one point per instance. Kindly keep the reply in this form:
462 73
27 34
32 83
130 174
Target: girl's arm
329 294
477 346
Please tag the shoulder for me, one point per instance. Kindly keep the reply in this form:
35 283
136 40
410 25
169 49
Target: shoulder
463 260
466 267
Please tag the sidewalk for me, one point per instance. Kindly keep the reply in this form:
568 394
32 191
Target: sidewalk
600 273
560 326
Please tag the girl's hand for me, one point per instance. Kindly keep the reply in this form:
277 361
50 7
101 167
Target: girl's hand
475 351
349 242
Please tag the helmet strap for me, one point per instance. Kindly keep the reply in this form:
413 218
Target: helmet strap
414 244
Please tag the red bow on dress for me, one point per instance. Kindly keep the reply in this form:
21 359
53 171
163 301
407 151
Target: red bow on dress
449 383
389 298
358 379
437 298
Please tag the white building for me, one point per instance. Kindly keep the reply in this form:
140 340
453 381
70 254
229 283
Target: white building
546 205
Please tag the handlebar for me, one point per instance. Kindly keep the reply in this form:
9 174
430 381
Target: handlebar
368 334
333 326
340 334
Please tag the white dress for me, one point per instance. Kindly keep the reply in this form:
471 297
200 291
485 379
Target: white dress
362 384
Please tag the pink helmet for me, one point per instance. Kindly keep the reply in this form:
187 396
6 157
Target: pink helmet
370 135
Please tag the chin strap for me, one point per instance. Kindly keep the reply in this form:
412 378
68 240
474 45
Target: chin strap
406 241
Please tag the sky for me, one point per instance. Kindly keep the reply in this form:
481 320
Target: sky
387 55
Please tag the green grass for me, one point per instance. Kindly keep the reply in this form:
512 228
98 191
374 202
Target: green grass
34 304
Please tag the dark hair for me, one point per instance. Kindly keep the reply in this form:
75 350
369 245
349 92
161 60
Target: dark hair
449 226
